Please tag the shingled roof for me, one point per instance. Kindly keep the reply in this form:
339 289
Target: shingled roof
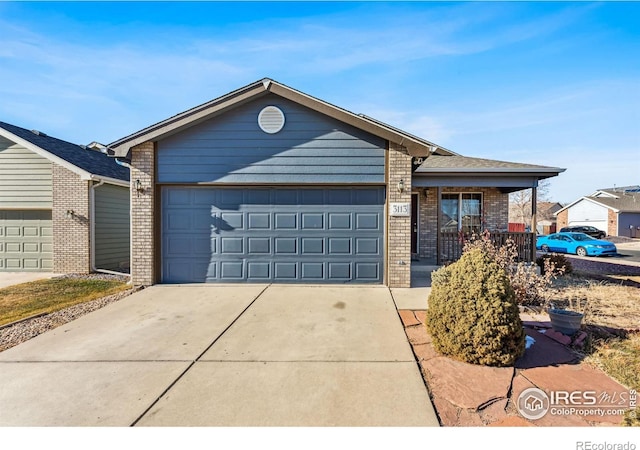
466 164
89 161
619 199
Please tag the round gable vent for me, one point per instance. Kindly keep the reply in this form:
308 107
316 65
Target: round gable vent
271 119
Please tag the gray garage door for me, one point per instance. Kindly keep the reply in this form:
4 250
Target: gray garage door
26 243
272 235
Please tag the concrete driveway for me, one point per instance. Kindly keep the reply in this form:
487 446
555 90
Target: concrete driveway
10 278
242 355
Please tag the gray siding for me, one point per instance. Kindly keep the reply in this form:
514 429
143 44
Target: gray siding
25 178
111 227
311 148
629 219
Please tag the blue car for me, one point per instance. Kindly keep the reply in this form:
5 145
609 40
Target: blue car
577 243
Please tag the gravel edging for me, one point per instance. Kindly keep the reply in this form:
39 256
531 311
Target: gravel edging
30 328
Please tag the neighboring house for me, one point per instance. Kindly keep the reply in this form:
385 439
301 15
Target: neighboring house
616 211
546 219
268 184
63 208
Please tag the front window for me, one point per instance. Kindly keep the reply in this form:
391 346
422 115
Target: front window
461 212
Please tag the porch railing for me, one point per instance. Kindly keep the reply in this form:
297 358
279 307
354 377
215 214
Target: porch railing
451 244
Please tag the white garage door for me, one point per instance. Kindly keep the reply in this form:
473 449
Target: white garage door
26 242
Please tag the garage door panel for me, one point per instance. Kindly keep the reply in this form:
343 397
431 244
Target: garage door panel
259 270
14 264
10 231
339 221
231 245
312 271
31 247
285 271
13 247
258 246
30 264
231 270
312 221
259 221
339 246
367 246
285 221
26 242
232 221
339 271
272 234
367 221
367 271
312 246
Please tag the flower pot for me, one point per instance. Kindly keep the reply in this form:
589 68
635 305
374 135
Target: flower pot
565 321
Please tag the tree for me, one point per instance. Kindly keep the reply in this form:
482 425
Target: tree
520 202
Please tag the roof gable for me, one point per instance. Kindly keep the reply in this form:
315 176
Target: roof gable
86 163
415 145
621 199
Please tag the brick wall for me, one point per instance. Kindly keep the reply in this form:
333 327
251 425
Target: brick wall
612 223
495 215
399 228
562 219
71 246
142 215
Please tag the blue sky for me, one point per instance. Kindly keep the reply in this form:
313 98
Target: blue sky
545 83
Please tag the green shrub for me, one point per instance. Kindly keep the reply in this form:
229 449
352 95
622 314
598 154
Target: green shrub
473 315
556 261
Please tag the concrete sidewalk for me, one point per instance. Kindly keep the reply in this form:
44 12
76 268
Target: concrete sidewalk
242 355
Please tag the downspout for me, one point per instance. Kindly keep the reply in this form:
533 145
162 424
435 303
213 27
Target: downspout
92 237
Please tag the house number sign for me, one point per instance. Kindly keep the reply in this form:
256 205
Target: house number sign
400 209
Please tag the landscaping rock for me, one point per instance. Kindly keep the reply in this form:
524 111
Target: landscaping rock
512 421
447 412
408 318
425 352
417 335
465 385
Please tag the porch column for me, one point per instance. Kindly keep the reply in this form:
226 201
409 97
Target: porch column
438 224
534 222
398 227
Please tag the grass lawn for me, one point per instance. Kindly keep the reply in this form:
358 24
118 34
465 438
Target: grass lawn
611 310
47 296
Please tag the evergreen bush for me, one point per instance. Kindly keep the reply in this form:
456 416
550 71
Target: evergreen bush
473 315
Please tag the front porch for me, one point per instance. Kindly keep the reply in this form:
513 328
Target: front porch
443 219
454 197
